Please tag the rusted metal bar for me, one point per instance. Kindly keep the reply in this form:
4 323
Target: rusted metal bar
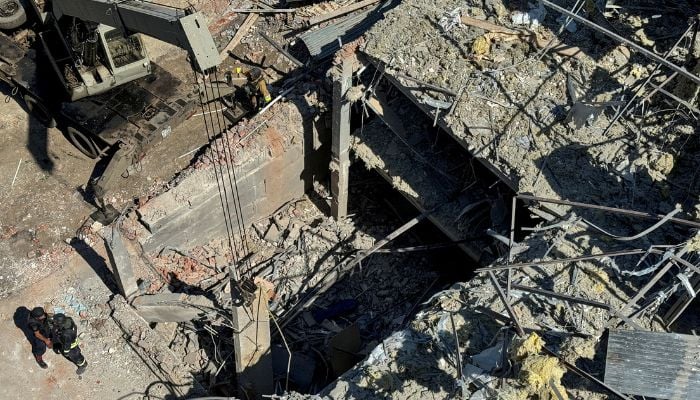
676 98
640 214
518 328
620 39
653 92
644 290
646 82
561 296
562 260
510 244
281 50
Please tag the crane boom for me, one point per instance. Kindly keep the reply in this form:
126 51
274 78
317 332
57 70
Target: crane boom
180 27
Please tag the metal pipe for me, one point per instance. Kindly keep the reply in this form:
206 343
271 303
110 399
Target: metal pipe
561 296
509 309
562 260
619 38
623 211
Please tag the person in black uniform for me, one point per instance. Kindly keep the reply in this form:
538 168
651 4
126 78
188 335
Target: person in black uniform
40 324
65 337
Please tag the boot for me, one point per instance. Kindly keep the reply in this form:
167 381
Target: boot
81 368
40 361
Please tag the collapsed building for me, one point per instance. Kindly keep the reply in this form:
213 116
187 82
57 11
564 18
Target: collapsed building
447 199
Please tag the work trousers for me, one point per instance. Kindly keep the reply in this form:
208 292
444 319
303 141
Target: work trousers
75 356
38 347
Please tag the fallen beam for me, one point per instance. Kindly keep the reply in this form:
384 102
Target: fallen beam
240 33
121 263
172 307
340 142
251 339
340 12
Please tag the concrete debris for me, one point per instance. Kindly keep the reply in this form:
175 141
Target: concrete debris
534 375
172 307
518 148
511 88
533 18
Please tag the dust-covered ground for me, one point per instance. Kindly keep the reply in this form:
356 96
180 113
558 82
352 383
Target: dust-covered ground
82 289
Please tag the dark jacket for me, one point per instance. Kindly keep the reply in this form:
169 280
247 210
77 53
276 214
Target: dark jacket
66 334
44 327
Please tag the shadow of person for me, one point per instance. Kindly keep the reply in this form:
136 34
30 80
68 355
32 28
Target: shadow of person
20 318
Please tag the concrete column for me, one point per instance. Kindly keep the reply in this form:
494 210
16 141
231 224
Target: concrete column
340 146
121 263
252 348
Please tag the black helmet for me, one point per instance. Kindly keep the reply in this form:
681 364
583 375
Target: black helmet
255 74
37 312
58 319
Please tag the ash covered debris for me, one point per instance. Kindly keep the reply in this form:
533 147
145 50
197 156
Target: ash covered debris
514 98
468 326
291 255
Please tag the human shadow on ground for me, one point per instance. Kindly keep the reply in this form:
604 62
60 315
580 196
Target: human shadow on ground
20 319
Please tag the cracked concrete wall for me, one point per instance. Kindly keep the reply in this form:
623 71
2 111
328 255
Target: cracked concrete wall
191 213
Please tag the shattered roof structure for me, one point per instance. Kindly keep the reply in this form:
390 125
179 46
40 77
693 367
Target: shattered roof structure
547 123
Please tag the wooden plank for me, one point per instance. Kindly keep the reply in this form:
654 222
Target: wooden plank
242 31
341 11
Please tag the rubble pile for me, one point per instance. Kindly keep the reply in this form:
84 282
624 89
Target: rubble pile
522 111
469 326
291 255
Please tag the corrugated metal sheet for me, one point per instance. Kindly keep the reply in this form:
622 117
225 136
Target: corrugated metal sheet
323 42
655 364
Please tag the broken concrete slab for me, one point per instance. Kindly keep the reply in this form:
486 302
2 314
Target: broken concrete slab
153 350
121 262
252 347
172 307
272 167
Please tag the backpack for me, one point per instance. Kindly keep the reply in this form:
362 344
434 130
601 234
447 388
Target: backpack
66 333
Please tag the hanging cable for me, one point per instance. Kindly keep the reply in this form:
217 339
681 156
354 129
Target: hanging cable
223 195
233 180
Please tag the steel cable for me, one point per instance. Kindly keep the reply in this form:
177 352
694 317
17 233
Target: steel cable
223 197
